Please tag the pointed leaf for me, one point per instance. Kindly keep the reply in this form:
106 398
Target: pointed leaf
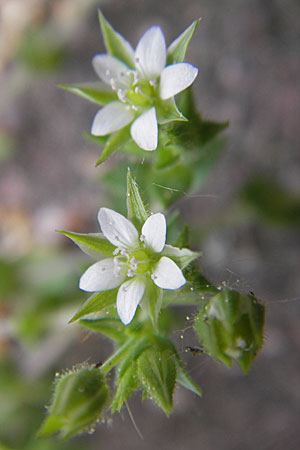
115 44
127 385
51 425
114 143
186 381
181 256
111 328
157 373
136 209
95 92
178 49
96 303
92 244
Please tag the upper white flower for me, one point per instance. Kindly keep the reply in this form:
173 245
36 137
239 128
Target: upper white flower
135 260
141 91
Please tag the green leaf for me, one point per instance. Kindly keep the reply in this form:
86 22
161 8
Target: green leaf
230 326
111 328
114 143
178 49
115 44
96 92
157 374
51 425
93 244
127 385
186 381
136 209
95 303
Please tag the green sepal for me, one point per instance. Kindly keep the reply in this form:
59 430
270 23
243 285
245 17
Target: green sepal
186 381
152 301
78 400
93 244
114 143
178 49
183 259
167 111
111 328
115 44
96 92
96 303
196 290
136 209
157 371
127 385
230 327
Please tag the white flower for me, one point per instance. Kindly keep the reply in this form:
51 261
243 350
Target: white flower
141 91
135 260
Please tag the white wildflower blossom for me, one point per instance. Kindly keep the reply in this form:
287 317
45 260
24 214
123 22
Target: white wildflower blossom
143 91
135 260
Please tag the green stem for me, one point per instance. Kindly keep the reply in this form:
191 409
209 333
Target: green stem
113 360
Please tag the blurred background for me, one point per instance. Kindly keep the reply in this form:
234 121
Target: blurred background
245 218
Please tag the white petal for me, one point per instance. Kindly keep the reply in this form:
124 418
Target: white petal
128 298
144 130
176 78
110 118
117 229
151 53
112 71
101 276
167 274
154 232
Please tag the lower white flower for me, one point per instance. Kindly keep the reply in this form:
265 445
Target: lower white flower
135 260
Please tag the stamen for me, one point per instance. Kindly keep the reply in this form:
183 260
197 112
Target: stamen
142 238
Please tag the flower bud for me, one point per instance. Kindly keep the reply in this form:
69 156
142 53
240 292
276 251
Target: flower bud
79 398
230 326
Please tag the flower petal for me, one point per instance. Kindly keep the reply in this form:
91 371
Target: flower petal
167 274
144 130
151 53
110 118
128 298
101 276
117 229
112 71
176 78
154 232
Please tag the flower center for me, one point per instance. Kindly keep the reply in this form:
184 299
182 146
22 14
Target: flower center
132 262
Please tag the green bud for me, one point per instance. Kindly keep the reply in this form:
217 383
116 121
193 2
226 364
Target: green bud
230 326
79 398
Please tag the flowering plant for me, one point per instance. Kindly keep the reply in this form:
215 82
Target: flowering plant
134 264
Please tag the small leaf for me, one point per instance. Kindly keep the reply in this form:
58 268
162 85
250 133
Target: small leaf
111 328
127 385
186 381
166 156
136 209
93 244
157 373
178 49
115 44
114 143
95 303
96 92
